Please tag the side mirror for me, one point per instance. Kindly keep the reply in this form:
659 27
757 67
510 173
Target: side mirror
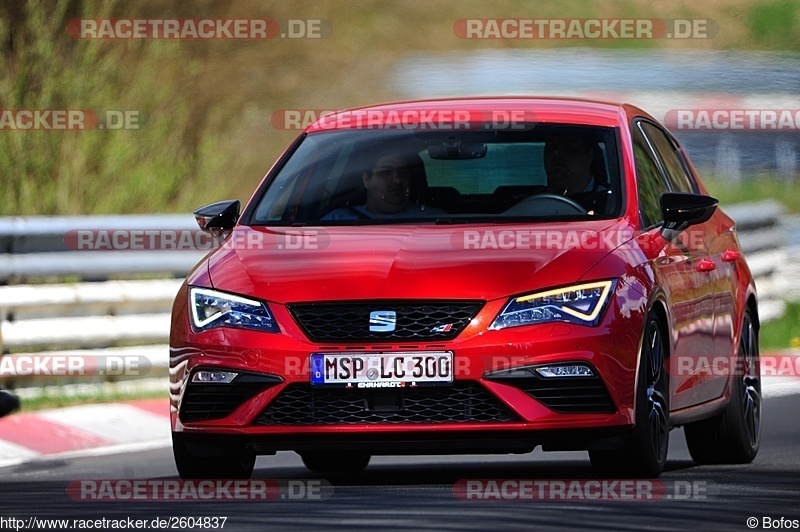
682 210
218 217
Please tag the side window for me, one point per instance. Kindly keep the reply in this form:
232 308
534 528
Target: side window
679 180
649 182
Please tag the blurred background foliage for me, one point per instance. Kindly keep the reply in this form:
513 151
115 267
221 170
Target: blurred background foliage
205 132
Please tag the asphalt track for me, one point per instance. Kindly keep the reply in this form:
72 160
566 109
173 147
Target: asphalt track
418 492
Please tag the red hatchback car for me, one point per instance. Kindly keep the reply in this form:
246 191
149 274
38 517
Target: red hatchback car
469 276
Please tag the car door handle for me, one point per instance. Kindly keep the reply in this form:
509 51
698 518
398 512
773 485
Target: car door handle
731 255
706 265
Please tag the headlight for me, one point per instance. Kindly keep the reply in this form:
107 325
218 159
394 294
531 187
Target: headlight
217 309
582 304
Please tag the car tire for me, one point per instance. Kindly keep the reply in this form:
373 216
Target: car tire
335 462
644 453
733 437
8 403
230 463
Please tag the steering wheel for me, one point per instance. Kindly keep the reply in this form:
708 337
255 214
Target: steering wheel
548 204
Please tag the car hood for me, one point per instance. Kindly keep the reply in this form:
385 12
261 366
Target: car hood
484 262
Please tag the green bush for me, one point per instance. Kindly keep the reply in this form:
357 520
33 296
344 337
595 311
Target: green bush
70 172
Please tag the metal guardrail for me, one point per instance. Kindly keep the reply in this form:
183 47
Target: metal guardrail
761 235
103 324
41 247
112 331
789 270
46 233
129 319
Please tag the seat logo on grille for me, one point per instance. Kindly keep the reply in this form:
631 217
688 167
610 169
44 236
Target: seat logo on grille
382 321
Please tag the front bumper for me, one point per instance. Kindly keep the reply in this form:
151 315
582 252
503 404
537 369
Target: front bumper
611 349
487 440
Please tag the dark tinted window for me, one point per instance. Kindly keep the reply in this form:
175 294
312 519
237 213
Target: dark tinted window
649 181
676 173
480 174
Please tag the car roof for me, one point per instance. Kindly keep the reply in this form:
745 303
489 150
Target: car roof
422 113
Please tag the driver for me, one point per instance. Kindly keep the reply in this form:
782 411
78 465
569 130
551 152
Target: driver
389 183
568 164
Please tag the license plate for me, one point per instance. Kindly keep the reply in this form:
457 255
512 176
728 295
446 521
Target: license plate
382 370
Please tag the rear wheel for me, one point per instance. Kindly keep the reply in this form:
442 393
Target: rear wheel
644 452
733 437
235 462
341 462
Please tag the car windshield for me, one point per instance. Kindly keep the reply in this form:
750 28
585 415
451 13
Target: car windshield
541 172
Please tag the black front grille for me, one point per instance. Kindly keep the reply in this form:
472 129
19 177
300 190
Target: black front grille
215 401
569 395
302 404
345 322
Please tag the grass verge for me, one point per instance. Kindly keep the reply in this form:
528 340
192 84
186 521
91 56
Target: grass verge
754 190
82 394
783 333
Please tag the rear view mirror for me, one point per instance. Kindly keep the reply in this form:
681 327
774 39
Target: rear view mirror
218 217
682 210
455 149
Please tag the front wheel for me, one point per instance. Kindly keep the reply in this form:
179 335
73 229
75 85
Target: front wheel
644 453
228 463
733 437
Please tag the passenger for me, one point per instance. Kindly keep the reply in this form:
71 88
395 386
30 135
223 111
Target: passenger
568 163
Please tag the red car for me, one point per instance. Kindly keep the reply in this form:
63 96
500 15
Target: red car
469 276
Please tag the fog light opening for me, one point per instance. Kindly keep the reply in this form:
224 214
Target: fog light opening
214 377
565 370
